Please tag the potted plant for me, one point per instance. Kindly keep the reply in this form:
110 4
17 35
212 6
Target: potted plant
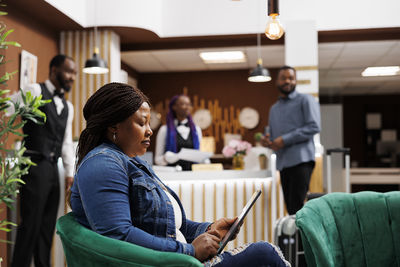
13 162
258 136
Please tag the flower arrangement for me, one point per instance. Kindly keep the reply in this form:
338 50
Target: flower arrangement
236 147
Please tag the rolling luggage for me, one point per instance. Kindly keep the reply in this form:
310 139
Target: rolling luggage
287 238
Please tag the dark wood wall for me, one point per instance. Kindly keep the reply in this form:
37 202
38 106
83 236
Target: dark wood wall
34 37
229 87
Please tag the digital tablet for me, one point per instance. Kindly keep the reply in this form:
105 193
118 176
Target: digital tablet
239 221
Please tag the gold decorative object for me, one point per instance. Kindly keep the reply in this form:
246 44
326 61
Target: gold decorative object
238 162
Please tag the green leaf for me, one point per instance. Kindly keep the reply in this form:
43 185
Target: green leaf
12 119
4 36
11 43
2 92
17 133
19 125
16 180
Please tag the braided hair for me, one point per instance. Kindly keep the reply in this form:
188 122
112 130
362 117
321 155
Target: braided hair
111 104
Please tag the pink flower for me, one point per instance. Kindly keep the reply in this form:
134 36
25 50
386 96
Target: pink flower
236 147
228 151
234 143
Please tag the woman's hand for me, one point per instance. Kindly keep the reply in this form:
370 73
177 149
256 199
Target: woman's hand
222 226
206 245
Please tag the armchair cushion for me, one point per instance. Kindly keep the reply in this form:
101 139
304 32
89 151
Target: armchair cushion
84 247
361 229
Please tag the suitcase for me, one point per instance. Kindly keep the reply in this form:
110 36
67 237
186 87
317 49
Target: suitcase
287 238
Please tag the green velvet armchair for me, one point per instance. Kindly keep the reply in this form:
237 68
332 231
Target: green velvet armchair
360 229
84 247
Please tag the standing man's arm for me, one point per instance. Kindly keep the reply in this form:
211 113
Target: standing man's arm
67 152
311 126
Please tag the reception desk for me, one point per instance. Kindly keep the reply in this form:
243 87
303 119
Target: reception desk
210 195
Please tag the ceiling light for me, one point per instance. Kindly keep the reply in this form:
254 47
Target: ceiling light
381 71
259 74
274 29
223 57
95 65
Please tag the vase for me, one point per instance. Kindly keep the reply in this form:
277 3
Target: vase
263 161
238 162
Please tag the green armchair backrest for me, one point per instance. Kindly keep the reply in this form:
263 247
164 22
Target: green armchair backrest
360 229
84 247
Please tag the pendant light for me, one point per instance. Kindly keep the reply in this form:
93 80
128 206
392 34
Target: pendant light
95 65
259 74
274 29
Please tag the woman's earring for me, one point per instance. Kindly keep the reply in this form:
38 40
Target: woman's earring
114 136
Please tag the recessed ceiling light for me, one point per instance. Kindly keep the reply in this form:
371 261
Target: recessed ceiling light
223 57
381 71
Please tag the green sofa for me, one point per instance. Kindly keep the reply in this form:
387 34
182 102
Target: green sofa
360 229
84 247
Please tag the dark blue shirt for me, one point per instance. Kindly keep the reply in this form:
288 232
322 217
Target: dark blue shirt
297 119
122 198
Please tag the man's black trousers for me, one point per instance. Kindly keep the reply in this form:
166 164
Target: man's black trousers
295 181
39 199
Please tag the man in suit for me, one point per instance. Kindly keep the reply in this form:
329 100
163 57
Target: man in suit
45 143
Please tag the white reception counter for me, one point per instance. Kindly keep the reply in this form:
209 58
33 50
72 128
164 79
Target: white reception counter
210 195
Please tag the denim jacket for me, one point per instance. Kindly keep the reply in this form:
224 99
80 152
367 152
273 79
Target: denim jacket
122 198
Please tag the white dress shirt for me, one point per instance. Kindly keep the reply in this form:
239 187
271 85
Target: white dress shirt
67 152
161 139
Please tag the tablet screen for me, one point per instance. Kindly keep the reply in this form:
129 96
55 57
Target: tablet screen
238 221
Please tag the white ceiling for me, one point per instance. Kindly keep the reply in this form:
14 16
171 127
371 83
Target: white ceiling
340 64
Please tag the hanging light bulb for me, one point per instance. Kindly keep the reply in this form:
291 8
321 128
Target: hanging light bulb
274 29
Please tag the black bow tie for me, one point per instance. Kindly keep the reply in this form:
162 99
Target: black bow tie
58 93
184 124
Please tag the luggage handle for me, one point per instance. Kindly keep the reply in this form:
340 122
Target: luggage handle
344 150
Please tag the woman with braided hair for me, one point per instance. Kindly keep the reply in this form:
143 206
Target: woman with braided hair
118 195
179 132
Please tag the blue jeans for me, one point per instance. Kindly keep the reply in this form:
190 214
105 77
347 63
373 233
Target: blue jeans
260 254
